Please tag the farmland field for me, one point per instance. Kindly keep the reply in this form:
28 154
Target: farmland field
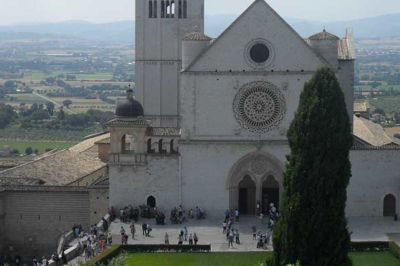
82 105
41 146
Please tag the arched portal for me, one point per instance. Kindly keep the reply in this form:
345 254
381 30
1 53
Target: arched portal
257 170
270 193
389 205
247 196
151 202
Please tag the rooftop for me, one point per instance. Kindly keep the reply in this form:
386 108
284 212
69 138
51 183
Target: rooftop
58 169
371 133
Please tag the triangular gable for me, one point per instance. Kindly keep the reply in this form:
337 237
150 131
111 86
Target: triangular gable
259 21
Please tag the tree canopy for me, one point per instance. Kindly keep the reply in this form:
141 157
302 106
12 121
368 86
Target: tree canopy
313 229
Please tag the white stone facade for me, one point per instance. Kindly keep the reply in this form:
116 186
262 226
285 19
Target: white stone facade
236 97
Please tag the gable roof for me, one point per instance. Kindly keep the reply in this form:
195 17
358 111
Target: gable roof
57 169
227 30
372 133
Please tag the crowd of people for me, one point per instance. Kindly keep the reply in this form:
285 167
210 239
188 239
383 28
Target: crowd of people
184 236
180 216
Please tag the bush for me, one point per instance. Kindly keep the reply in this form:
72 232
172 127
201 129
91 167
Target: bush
394 249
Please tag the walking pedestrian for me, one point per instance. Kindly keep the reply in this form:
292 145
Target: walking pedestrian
230 238
196 239
191 240
133 230
224 227
185 233
237 215
254 230
166 239
64 258
237 237
180 239
144 228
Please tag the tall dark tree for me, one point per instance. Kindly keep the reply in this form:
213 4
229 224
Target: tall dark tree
50 108
313 229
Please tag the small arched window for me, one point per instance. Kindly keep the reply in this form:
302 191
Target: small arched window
184 8
127 144
160 147
155 9
180 9
163 9
389 205
172 148
150 8
151 202
149 146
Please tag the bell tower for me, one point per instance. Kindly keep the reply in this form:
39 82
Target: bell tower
160 28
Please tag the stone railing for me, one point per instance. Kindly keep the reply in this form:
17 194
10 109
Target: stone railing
128 159
76 249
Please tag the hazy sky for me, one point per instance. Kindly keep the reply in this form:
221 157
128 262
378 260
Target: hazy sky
23 11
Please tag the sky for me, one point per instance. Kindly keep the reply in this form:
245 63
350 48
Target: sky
38 11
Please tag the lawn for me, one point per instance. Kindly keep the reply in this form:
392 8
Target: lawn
242 259
39 145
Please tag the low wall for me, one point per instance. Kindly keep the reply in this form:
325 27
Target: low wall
76 249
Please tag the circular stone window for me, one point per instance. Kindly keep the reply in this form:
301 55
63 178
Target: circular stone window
259 53
259 106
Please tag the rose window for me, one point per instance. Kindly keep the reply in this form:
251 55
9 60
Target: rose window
259 106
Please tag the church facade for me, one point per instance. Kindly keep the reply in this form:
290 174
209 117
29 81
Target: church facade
208 127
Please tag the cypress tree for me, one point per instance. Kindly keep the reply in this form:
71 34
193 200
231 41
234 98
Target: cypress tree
313 228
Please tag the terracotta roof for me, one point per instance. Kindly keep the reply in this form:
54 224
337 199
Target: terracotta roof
58 169
372 133
196 36
324 36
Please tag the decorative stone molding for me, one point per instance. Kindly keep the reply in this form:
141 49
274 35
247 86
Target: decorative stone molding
259 53
259 106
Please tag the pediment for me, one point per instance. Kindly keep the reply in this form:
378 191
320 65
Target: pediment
259 24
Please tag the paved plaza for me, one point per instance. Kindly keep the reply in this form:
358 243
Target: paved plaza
210 232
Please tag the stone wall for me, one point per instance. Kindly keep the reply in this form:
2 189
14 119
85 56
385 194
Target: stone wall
375 174
207 104
35 220
206 181
130 184
98 200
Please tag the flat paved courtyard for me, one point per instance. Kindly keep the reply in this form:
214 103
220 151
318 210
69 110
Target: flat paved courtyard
210 232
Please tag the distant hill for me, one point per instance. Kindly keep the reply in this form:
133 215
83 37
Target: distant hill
115 32
123 31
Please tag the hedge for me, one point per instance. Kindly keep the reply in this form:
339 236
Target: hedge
394 249
116 250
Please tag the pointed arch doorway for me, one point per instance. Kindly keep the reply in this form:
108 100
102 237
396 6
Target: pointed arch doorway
270 193
247 196
254 176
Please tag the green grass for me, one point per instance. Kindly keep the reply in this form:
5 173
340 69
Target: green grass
242 259
40 145
374 259
43 134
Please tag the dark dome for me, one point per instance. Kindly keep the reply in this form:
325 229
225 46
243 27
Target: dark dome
129 108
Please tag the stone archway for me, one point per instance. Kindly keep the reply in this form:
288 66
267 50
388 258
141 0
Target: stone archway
270 193
389 205
247 196
259 170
